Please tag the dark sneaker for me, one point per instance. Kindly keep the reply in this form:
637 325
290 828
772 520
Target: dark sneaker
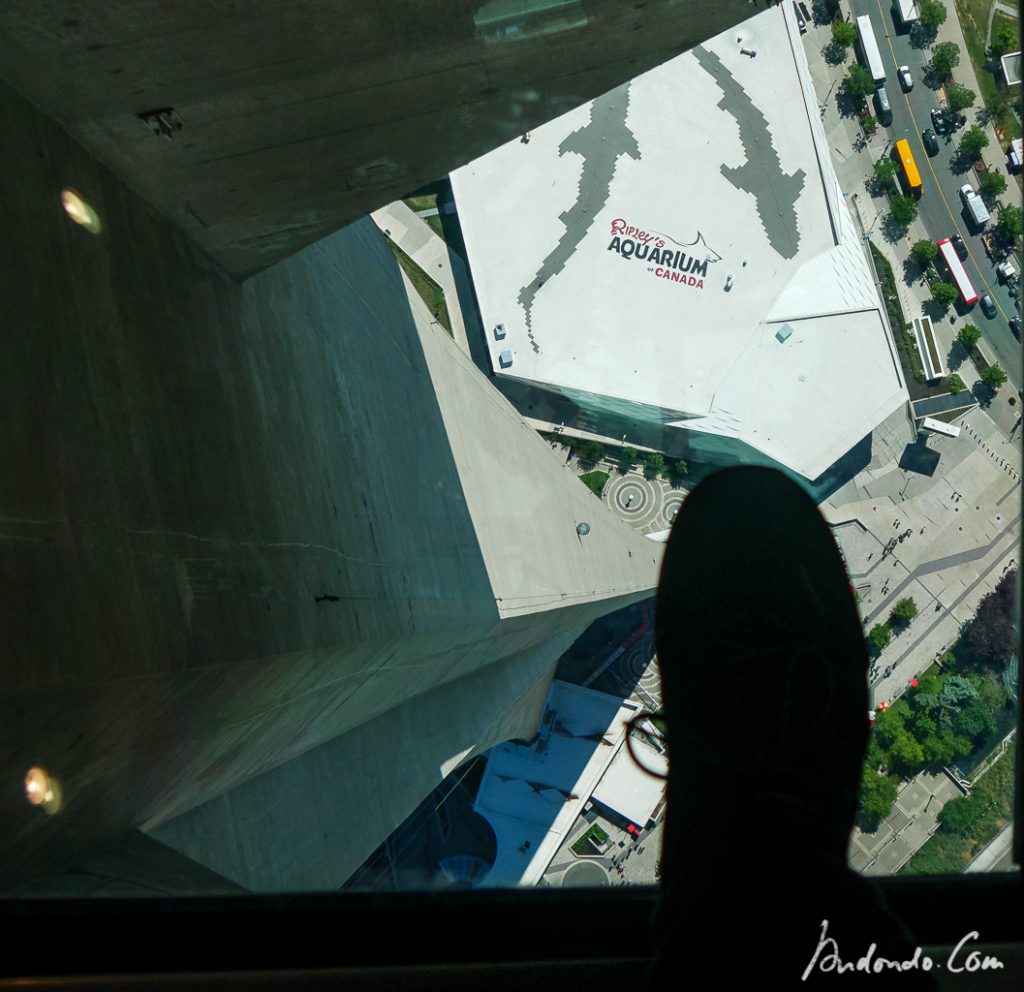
764 686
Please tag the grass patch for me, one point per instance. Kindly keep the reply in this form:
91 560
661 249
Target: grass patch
947 852
582 846
594 481
429 291
973 16
906 345
434 222
427 202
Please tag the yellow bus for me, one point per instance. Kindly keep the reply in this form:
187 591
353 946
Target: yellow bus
911 177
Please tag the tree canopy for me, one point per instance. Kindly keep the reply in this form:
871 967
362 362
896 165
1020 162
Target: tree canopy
972 142
960 97
844 34
905 610
944 293
990 638
1010 221
903 210
993 377
880 635
945 57
969 336
924 252
885 171
859 83
933 13
992 184
954 383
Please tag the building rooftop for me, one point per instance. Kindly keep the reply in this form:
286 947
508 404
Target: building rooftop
680 250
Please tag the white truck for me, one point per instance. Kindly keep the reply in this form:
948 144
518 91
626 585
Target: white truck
907 11
975 205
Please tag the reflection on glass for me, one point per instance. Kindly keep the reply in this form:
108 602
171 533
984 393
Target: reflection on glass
80 211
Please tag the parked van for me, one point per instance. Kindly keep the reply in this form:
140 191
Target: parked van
882 107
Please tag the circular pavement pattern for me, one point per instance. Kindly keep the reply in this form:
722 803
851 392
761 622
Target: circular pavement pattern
585 875
632 496
670 507
636 499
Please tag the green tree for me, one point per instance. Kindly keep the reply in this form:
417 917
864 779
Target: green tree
655 460
972 142
1004 39
1010 221
877 795
679 470
924 253
955 384
903 210
944 293
907 754
844 34
858 83
973 720
945 57
880 635
969 336
933 13
960 97
993 377
958 815
885 171
628 455
592 451
869 124
904 611
992 184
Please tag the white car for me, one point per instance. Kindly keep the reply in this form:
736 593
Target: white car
905 79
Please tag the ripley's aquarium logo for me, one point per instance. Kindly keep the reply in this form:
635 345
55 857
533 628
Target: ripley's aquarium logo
662 259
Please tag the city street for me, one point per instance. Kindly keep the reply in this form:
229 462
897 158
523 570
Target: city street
941 210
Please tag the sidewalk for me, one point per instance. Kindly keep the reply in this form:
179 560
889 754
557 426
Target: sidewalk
414 236
965 75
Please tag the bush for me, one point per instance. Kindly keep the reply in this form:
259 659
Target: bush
924 253
594 481
869 124
969 336
1004 39
955 384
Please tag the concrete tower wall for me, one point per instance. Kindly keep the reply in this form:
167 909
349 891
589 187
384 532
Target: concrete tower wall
189 463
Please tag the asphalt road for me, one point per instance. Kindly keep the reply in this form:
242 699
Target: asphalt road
940 208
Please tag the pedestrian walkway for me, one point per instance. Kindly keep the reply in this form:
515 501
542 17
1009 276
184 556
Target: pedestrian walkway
413 235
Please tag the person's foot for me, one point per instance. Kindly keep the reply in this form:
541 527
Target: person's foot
763 666
764 685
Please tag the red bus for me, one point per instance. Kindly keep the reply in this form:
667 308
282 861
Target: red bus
956 269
